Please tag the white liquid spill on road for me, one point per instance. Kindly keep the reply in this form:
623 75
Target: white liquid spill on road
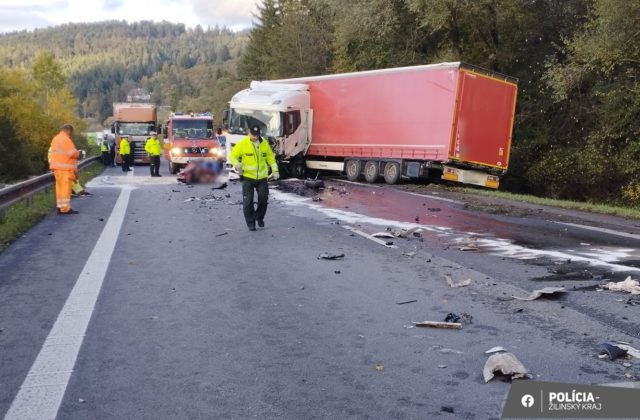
43 389
601 257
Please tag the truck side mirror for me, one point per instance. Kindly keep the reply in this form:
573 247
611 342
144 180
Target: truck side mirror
225 116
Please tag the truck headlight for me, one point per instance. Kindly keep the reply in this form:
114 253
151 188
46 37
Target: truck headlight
176 151
213 151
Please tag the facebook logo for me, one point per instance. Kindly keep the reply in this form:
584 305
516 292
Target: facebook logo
527 400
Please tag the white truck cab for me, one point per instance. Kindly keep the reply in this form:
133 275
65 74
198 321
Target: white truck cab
281 110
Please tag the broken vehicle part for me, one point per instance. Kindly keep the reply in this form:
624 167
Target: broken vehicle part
544 291
506 364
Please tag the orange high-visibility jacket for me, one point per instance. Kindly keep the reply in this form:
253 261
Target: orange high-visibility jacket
64 154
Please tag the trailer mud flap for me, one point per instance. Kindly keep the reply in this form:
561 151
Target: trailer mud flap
467 176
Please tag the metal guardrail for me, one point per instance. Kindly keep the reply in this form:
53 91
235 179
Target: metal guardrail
26 189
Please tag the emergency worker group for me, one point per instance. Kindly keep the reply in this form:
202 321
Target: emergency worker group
252 158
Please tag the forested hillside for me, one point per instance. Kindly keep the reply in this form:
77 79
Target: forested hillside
187 69
577 131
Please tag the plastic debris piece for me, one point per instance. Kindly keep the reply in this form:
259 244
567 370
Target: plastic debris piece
506 364
329 256
626 364
446 409
409 254
544 291
453 283
382 235
442 366
406 301
451 317
468 248
438 324
379 367
496 349
222 234
630 350
612 351
628 285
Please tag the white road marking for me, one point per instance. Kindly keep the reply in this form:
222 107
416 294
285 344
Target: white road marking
600 257
601 230
42 391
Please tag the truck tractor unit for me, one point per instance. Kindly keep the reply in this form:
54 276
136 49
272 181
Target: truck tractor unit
451 120
190 137
137 121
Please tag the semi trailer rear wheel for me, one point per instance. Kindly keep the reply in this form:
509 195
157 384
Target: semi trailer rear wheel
391 172
353 168
371 171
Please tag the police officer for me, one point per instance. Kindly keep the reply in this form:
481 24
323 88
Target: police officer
125 153
252 156
154 149
104 150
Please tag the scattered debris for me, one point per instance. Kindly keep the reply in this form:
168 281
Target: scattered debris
630 350
505 363
81 400
336 272
329 256
316 198
627 364
176 190
219 186
453 283
314 183
101 219
445 350
383 235
463 318
222 234
434 208
446 409
379 367
544 291
406 301
612 351
468 248
628 285
442 366
438 324
191 199
409 254
497 349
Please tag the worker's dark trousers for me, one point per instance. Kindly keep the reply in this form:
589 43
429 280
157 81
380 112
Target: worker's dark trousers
125 162
250 213
154 165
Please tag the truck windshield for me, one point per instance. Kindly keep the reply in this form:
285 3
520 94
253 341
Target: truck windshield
270 122
135 129
192 129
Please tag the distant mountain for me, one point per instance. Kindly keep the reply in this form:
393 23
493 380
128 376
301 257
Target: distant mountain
187 69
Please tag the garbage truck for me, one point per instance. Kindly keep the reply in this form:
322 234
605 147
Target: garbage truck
137 121
451 120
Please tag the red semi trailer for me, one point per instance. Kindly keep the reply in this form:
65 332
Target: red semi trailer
449 119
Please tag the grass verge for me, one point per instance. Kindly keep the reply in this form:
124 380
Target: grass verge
22 216
565 204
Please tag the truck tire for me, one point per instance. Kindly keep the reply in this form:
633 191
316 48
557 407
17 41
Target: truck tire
173 168
391 172
299 170
353 169
371 171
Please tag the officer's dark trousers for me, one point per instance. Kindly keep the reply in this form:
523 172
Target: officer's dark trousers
125 162
105 158
252 214
154 165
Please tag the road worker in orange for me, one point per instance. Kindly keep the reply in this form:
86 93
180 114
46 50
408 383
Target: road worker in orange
63 161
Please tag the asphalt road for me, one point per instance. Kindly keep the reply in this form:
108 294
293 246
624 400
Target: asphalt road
197 317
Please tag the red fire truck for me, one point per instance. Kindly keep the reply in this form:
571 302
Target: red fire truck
190 137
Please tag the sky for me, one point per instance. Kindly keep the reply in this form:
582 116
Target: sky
16 15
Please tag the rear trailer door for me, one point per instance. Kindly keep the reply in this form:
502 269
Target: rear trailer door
483 122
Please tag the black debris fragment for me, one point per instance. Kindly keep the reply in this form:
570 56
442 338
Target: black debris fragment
330 256
222 234
446 409
612 351
407 301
